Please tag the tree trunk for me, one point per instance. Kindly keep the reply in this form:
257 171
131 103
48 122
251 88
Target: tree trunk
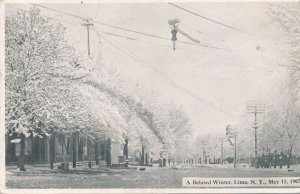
125 150
104 150
160 162
147 158
143 156
52 150
108 152
97 152
22 153
63 148
89 152
74 149
289 157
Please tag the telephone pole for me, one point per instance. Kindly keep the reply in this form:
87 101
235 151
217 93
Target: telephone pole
255 108
87 25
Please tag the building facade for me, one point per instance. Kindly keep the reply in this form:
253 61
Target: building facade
72 147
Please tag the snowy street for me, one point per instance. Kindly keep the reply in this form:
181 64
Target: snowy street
152 177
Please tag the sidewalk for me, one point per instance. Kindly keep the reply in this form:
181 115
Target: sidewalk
81 168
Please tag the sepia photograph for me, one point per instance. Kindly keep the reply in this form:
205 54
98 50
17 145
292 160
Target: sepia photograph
168 96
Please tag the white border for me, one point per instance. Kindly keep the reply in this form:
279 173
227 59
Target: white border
2 96
59 191
141 1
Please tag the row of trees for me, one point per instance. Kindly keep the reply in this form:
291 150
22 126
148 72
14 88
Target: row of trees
281 123
50 88
279 127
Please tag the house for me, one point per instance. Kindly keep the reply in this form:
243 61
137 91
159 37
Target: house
38 148
73 148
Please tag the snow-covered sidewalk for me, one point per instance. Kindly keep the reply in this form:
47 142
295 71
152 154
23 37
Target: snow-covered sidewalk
81 168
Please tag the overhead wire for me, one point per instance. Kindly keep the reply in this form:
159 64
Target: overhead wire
176 85
137 59
129 30
188 26
200 32
122 36
159 37
46 16
206 18
133 39
156 36
62 12
146 34
106 32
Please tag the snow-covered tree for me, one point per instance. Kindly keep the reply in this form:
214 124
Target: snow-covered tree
134 127
281 126
287 17
168 122
51 88
41 69
37 55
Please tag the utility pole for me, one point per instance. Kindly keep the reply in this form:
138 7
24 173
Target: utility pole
87 25
255 108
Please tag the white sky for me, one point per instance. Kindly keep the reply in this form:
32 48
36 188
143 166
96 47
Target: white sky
226 79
